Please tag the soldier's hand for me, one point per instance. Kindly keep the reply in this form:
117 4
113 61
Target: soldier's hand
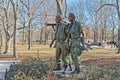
83 47
51 44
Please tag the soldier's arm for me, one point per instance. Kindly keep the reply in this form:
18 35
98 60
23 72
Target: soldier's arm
52 42
65 30
68 41
55 29
83 35
81 27
83 40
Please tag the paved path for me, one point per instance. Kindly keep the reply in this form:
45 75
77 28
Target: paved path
3 66
60 74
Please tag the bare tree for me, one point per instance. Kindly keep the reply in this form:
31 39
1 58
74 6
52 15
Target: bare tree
31 8
7 23
23 21
59 7
1 39
117 6
66 7
95 28
41 33
1 35
15 6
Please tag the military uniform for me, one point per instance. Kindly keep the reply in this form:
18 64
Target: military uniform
75 36
61 49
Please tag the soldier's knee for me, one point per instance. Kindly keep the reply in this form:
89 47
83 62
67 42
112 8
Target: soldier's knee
77 51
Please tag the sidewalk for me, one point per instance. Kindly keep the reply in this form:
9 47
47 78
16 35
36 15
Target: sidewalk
68 73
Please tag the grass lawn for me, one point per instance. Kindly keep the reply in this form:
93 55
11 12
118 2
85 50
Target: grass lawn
41 51
98 55
103 63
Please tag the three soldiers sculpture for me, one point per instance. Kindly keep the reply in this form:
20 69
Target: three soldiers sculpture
69 43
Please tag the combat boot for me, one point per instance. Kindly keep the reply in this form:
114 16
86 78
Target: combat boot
76 71
65 67
70 66
58 67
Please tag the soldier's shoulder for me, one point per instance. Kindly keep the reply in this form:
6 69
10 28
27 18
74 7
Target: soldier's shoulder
78 21
65 23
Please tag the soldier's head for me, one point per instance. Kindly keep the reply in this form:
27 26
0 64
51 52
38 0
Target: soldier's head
58 19
71 17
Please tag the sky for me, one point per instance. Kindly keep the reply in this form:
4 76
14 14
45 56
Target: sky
83 4
88 11
84 10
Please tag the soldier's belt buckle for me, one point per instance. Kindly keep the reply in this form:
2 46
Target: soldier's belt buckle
76 38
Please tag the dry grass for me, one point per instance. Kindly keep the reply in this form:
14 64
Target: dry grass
41 51
45 52
101 61
101 57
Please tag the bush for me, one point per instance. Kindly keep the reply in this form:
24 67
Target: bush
36 69
30 69
98 73
106 73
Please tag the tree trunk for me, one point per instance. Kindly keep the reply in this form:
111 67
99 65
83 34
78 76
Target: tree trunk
45 38
59 7
119 40
113 33
15 28
41 32
65 14
102 36
15 37
1 40
23 35
7 47
95 36
118 12
29 38
105 35
15 43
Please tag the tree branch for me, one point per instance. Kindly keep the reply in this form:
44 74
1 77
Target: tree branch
21 28
12 35
105 5
24 3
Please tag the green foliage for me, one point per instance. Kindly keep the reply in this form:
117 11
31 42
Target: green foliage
98 73
30 69
36 69
106 73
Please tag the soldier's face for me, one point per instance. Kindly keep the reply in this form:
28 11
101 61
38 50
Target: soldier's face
58 20
71 19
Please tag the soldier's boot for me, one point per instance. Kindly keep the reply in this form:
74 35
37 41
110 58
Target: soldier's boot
58 67
76 71
70 66
65 67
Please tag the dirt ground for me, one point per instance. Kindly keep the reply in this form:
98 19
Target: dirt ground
102 60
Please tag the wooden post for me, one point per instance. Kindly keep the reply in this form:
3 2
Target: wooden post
38 52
